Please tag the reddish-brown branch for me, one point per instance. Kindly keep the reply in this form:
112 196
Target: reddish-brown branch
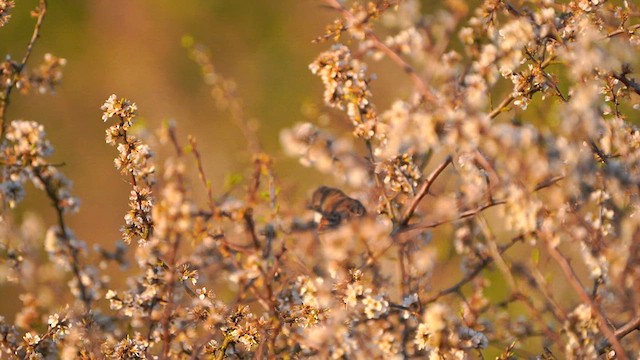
203 177
423 191
469 213
621 332
572 278
463 215
168 313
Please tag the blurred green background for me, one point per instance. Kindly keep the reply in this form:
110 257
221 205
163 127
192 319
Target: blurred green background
133 49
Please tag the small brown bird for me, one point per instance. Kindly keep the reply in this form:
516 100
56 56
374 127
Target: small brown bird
334 206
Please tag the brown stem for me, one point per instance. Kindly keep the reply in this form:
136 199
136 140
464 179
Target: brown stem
4 101
201 174
506 101
418 82
630 30
469 213
403 270
172 260
166 319
423 191
572 278
379 184
231 100
134 181
471 275
547 329
73 251
621 332
629 83
463 215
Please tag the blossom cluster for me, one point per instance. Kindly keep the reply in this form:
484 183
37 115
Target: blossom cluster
5 7
133 160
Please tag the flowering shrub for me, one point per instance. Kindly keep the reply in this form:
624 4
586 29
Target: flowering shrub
527 192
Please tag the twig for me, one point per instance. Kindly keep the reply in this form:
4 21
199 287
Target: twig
507 100
621 332
548 182
473 212
631 30
463 215
201 174
494 252
572 278
231 100
171 265
423 191
4 101
471 275
502 106
539 281
380 45
73 251
547 329
379 184
629 83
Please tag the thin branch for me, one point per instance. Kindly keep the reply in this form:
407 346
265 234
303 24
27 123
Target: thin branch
463 215
379 184
469 213
494 252
502 106
630 30
73 250
175 242
629 83
572 278
507 100
203 177
380 45
548 182
621 332
423 191
4 101
227 97
471 275
540 282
